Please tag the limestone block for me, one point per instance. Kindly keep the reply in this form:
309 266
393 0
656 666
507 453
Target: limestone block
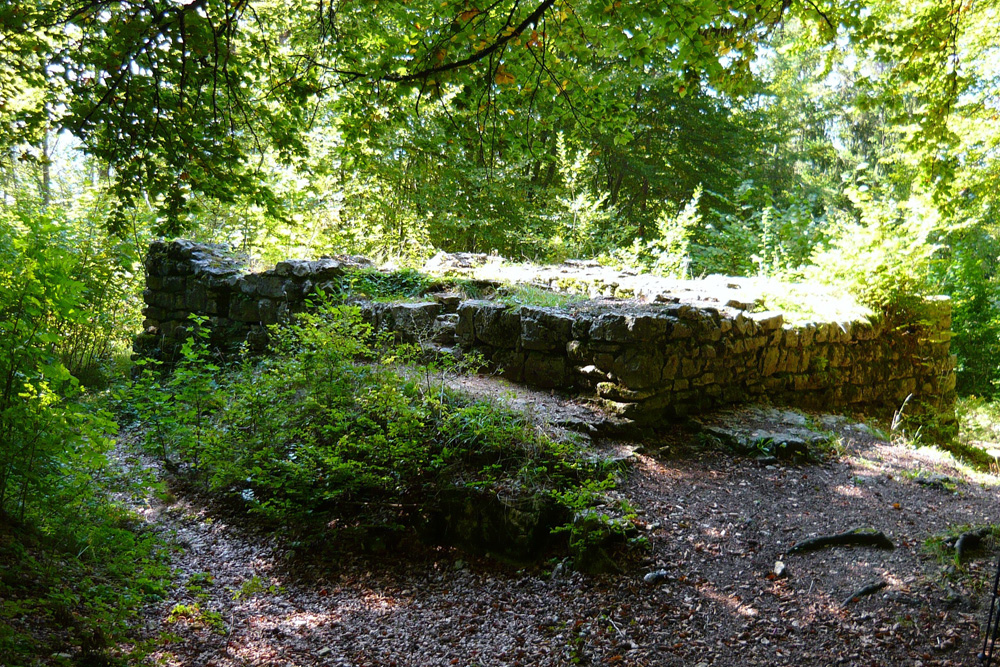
610 327
166 283
734 347
776 383
448 300
671 366
648 327
257 338
791 336
677 310
465 331
445 325
639 369
547 371
244 310
769 361
680 330
690 367
545 329
158 265
807 334
497 325
268 311
248 285
412 322
581 326
864 331
510 364
742 324
271 287
703 379
591 373
769 320
154 313
790 360
578 352
166 300
604 360
617 392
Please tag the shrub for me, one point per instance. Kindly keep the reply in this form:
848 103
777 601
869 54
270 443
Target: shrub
326 426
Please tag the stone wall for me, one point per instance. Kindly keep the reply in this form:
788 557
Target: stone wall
646 361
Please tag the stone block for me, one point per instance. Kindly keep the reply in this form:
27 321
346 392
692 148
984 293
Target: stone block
791 336
703 379
768 320
547 371
680 330
271 287
497 325
267 309
244 310
610 327
689 367
577 352
769 361
509 363
545 329
581 327
648 327
410 322
443 332
638 368
671 366
465 331
806 335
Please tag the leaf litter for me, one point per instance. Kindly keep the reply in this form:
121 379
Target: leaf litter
716 526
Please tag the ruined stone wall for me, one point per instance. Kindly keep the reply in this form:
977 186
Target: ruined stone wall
647 362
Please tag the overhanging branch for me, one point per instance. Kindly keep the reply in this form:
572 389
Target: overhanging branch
532 19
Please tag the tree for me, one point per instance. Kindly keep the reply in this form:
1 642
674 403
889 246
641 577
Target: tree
181 98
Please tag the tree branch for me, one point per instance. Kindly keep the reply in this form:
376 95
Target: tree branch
486 52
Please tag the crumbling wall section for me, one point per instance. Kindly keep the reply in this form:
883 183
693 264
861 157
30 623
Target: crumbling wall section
645 361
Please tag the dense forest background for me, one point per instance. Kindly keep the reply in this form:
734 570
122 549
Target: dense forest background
840 141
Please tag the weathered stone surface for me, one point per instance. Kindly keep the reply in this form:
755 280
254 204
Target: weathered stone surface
639 368
412 322
545 329
245 309
497 325
769 320
610 327
647 360
546 370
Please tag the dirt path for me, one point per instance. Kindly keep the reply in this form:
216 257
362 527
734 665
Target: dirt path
716 526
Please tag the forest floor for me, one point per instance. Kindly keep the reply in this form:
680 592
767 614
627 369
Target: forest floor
716 526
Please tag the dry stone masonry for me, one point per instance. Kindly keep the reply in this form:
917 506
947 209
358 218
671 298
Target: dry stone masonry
646 361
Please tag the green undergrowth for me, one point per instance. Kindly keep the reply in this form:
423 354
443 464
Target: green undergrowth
529 295
980 539
400 285
72 587
329 430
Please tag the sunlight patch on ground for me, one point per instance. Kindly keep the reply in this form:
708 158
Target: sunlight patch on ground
849 490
